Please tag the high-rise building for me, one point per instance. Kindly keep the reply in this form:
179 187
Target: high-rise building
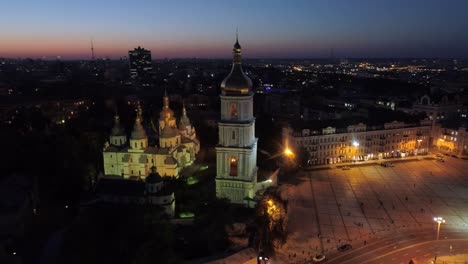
236 153
140 64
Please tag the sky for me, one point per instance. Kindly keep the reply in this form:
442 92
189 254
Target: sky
207 28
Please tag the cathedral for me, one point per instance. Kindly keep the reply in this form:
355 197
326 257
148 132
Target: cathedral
236 152
133 157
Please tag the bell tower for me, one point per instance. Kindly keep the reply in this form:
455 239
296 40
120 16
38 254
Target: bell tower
236 152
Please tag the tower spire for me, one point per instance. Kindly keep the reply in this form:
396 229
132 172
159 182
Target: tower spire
236 52
184 111
166 99
92 49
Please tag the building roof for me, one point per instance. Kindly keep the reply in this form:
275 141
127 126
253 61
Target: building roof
170 160
117 130
184 120
168 132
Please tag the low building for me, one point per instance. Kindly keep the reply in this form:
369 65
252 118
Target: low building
360 142
135 191
451 141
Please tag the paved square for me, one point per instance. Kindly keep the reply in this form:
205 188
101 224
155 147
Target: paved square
332 207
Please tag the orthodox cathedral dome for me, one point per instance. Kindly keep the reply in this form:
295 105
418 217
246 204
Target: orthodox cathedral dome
138 130
117 130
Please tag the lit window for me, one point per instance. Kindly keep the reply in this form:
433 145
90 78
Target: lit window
233 166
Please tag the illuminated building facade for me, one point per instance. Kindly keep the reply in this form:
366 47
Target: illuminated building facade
451 141
134 157
360 142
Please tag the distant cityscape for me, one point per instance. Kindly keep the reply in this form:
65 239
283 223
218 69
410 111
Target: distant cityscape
179 142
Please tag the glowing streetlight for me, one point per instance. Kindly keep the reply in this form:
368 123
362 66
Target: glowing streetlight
356 145
288 152
439 221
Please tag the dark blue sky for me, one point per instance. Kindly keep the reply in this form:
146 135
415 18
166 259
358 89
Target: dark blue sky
206 28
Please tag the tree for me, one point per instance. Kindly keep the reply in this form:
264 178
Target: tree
271 218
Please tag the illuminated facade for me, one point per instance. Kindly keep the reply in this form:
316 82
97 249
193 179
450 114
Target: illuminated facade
134 157
236 153
359 142
451 141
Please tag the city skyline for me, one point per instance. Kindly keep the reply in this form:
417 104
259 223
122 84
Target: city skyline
270 29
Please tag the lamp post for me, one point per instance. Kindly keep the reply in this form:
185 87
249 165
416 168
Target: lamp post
419 144
356 145
439 221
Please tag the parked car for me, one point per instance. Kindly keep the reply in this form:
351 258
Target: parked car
390 164
384 164
318 258
345 168
344 247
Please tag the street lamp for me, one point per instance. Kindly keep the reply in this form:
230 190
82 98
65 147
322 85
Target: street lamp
356 145
288 152
439 221
419 145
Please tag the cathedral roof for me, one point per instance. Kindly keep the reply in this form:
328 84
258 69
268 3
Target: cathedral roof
117 130
168 132
138 130
184 120
166 112
236 83
170 160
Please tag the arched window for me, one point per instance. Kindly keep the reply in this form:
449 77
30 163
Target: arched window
135 145
233 166
234 111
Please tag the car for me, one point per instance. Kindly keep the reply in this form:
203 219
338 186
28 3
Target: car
384 164
318 258
390 164
345 168
440 159
344 247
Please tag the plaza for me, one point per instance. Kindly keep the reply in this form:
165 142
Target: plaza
367 203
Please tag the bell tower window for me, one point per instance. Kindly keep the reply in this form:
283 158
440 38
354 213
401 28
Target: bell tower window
233 111
233 166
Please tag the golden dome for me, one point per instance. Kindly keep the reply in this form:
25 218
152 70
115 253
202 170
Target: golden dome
166 112
236 83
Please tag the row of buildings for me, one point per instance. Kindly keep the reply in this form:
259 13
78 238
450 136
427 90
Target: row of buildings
361 142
